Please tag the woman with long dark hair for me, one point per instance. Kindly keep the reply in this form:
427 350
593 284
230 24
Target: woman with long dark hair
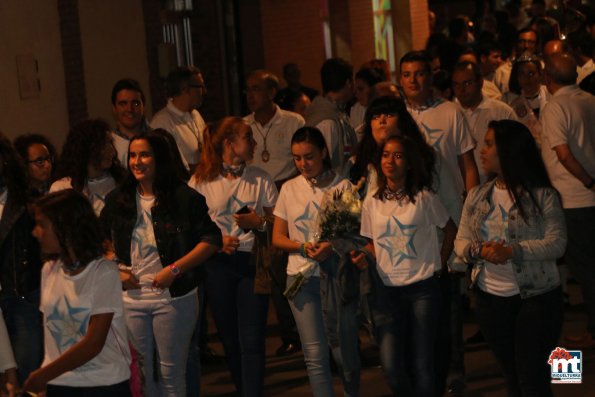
241 200
512 231
400 220
161 231
86 352
89 164
295 231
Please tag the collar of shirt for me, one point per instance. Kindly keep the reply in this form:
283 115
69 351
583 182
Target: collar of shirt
566 90
428 104
173 109
276 119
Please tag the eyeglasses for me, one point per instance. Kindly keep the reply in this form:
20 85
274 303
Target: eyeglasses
40 161
379 116
466 83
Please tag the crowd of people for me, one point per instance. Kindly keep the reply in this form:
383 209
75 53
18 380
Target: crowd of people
475 170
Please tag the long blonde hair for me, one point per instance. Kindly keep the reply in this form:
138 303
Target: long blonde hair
212 154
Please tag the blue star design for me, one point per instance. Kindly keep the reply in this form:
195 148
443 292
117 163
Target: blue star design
433 135
495 226
397 240
304 222
145 241
67 324
232 206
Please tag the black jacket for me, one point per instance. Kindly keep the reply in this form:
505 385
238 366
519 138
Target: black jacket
178 226
20 262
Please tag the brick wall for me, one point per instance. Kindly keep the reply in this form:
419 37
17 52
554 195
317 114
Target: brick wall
292 32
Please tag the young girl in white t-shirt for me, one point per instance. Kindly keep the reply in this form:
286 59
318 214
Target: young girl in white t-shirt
295 231
86 353
240 198
401 220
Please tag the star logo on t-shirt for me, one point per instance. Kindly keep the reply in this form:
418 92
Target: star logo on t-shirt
495 227
67 324
233 205
143 237
304 222
397 240
433 135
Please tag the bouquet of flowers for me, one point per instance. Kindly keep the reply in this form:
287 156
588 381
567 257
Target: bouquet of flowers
339 219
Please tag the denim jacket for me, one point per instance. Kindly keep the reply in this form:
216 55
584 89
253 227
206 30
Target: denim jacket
178 228
536 243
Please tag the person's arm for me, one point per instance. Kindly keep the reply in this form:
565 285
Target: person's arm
572 165
358 258
468 170
466 234
200 253
281 238
450 233
80 353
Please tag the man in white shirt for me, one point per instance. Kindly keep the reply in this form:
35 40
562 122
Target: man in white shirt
272 127
478 109
186 90
128 106
326 112
581 46
568 150
527 41
442 122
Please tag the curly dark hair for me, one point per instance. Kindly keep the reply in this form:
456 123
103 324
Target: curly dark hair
368 150
419 176
74 224
12 172
167 173
83 146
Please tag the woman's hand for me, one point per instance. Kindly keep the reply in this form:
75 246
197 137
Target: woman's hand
250 220
358 258
129 280
36 382
496 252
9 383
230 244
164 278
319 251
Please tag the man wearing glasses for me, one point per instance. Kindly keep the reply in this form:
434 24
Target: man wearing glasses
128 105
186 90
526 42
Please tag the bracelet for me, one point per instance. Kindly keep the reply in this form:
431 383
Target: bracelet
175 270
303 249
475 250
263 227
590 184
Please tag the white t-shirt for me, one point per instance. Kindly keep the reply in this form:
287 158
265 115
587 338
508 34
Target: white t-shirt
187 128
495 279
569 118
356 115
444 127
490 90
405 237
67 304
121 144
298 205
96 190
144 255
225 197
502 76
478 120
278 132
585 70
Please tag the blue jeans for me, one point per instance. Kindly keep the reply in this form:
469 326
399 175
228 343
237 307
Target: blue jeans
407 343
24 324
240 316
521 333
193 369
168 326
307 311
118 390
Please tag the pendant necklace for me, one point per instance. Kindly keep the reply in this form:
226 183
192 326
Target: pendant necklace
265 155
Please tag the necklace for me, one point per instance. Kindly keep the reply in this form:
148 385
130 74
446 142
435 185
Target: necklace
321 178
390 195
233 170
265 155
